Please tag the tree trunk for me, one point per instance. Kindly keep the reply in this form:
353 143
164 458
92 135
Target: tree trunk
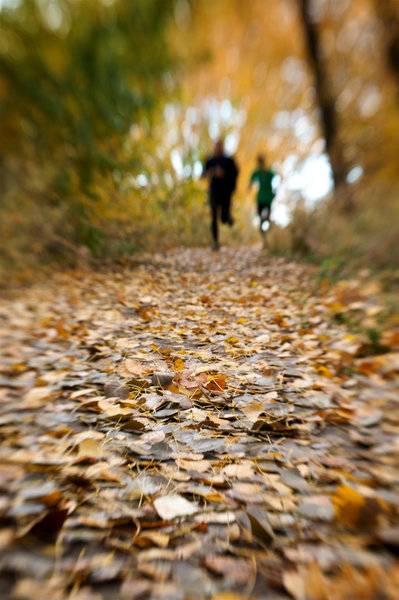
324 98
388 15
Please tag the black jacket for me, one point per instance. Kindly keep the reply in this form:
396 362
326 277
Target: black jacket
226 184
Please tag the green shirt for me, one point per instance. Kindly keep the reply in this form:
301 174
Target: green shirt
264 179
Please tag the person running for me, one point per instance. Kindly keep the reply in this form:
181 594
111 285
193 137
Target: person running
223 172
263 178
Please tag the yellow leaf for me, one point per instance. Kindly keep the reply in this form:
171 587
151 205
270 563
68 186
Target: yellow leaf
178 364
175 389
324 371
90 449
348 505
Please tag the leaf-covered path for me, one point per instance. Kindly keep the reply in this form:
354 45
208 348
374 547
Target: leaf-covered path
198 426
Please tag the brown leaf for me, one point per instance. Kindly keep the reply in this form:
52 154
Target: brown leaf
134 367
49 526
260 524
216 384
161 379
134 588
236 570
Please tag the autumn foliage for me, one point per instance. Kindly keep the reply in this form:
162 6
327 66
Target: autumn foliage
109 108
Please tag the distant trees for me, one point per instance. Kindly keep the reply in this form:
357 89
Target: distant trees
74 77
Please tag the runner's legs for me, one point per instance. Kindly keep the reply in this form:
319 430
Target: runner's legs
264 215
214 205
225 203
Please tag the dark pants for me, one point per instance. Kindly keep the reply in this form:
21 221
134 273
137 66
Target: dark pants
220 205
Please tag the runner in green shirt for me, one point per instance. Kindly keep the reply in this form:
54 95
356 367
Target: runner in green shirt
263 177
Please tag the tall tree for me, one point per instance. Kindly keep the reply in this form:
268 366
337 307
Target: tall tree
325 99
388 14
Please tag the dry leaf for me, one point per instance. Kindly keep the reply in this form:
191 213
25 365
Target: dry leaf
90 449
134 367
237 570
36 396
348 505
173 505
238 471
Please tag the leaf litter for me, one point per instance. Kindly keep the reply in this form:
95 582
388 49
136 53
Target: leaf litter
218 434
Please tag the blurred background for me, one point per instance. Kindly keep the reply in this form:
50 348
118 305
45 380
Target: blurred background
108 109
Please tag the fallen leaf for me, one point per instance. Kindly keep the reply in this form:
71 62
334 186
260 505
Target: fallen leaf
238 471
162 379
237 570
36 396
194 465
152 437
295 584
260 524
90 449
216 384
173 505
134 367
178 365
348 505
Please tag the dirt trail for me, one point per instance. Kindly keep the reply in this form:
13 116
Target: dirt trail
198 426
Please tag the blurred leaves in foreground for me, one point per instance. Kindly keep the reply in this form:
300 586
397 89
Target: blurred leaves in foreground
108 107
194 428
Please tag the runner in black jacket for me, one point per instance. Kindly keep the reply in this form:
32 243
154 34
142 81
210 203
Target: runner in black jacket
223 174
